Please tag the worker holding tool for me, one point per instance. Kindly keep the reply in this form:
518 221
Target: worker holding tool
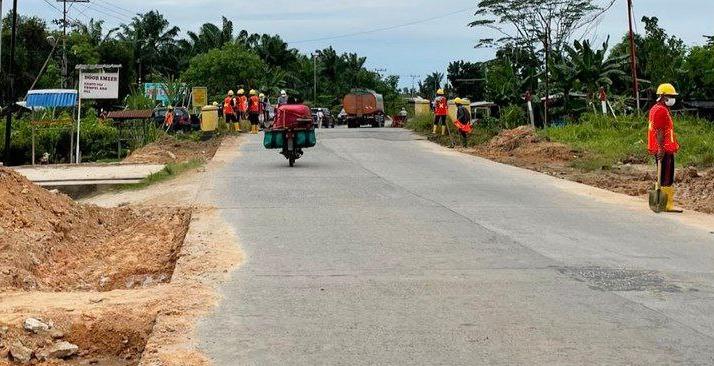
254 111
463 120
662 141
441 110
229 110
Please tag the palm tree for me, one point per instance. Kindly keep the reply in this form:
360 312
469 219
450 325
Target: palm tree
94 31
153 43
274 51
593 68
209 36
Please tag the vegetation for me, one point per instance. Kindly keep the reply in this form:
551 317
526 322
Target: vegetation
170 171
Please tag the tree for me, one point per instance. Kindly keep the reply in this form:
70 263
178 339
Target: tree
224 69
467 79
698 70
153 42
592 68
527 22
661 55
274 51
209 36
428 87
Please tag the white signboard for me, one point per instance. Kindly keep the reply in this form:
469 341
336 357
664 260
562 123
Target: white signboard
99 85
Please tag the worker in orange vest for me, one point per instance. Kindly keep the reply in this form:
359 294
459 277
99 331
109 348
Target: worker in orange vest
242 102
169 118
463 120
661 140
441 110
254 111
229 112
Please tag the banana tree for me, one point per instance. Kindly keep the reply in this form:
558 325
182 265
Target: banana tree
592 68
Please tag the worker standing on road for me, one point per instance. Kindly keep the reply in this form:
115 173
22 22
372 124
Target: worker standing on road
254 111
242 102
229 110
441 110
463 120
662 142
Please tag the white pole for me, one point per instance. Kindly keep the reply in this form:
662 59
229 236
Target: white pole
79 122
530 114
604 107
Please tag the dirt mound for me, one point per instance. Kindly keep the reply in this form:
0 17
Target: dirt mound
51 243
168 149
523 147
509 140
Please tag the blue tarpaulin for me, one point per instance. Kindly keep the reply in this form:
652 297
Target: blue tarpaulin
52 98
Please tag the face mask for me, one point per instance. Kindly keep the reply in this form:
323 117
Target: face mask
670 102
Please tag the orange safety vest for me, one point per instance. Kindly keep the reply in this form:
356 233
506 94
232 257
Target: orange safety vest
254 104
227 105
169 118
661 119
242 103
441 106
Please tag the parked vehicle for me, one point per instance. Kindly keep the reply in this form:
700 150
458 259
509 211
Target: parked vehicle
183 120
327 120
364 107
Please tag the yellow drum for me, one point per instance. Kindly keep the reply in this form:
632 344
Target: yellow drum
209 118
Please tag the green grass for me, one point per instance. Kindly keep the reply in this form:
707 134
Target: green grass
606 141
481 134
170 171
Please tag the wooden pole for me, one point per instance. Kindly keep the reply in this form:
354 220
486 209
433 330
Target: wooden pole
633 58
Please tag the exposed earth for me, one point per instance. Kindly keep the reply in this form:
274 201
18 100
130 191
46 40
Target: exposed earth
522 147
169 149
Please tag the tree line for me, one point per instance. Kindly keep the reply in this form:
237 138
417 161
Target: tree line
216 56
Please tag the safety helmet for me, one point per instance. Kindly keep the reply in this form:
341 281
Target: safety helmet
667 89
241 91
458 101
253 92
283 93
262 95
215 104
440 92
231 93
170 107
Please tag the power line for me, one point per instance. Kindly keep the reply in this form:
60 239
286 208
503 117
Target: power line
127 11
120 18
106 8
384 28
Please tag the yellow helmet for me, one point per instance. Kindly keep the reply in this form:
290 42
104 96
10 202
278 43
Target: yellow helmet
253 92
230 93
241 91
440 92
667 89
460 101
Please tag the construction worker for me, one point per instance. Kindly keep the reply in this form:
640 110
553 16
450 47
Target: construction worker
662 142
169 118
265 107
283 99
254 111
463 120
441 110
242 102
229 110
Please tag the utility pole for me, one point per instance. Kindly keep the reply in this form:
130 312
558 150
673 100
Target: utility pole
547 77
413 91
64 39
633 58
11 76
314 84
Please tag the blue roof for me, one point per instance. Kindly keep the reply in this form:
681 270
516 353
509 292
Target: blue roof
52 98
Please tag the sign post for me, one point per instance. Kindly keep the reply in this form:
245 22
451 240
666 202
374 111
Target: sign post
97 84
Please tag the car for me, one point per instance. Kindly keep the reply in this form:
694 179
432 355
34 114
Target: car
327 120
183 119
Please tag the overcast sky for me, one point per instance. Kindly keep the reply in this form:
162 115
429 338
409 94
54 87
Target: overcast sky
437 32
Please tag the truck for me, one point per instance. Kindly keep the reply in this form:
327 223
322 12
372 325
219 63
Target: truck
363 107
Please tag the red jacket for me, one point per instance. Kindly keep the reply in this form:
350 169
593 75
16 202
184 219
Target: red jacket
661 120
441 106
242 103
254 105
228 105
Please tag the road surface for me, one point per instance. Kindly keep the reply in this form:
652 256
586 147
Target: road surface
380 248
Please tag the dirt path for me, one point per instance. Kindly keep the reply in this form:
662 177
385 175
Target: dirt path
150 323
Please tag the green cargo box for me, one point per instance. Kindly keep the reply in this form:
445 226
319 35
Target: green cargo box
276 139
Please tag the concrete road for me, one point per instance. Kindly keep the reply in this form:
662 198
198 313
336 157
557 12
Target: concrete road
381 249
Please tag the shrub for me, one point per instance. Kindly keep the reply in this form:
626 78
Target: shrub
512 117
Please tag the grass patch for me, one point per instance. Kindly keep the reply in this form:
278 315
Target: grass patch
170 171
482 133
606 141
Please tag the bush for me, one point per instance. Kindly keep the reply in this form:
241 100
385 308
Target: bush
512 117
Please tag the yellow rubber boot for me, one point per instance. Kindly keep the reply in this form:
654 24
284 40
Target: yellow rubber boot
670 192
443 130
433 130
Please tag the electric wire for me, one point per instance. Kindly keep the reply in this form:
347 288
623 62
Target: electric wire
383 28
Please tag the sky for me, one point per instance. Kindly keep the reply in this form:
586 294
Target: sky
425 35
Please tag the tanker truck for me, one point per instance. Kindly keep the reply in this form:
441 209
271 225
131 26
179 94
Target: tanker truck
363 107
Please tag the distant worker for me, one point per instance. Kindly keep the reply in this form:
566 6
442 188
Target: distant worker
283 98
320 117
229 110
254 111
463 120
169 118
242 102
662 142
441 110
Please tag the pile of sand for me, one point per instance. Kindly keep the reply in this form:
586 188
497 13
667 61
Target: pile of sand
523 147
169 149
51 243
